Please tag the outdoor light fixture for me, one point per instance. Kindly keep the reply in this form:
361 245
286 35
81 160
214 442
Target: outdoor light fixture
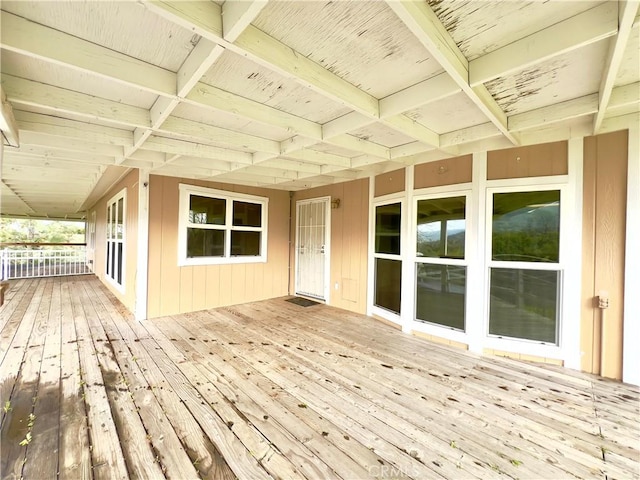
335 203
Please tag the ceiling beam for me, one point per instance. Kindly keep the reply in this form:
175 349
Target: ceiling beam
413 129
55 99
274 172
626 17
21 91
626 95
181 147
425 25
8 124
559 112
209 134
38 41
44 162
470 134
319 158
428 91
64 128
237 15
207 163
346 123
351 142
241 177
293 165
407 150
54 46
212 97
55 153
201 58
203 18
274 55
198 61
584 29
70 144
51 45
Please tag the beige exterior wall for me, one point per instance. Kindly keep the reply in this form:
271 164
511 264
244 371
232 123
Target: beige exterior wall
130 183
388 183
603 246
542 160
174 289
349 238
450 171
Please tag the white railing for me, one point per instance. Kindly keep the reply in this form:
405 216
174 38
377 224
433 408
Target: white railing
21 263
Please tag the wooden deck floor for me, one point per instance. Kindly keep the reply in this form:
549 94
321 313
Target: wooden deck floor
272 389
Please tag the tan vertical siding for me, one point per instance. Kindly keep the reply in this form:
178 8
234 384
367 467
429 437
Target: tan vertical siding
130 182
450 171
390 182
603 246
349 239
156 191
532 161
174 289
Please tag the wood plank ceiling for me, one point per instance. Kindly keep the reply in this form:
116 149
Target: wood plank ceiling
295 94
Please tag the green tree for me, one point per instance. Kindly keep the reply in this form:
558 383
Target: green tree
40 231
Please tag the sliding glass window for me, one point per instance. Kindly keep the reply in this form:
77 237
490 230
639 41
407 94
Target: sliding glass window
441 269
524 265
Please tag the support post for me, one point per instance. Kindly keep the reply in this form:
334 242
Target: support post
631 319
142 270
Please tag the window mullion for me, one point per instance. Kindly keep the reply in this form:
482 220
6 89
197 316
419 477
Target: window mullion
228 227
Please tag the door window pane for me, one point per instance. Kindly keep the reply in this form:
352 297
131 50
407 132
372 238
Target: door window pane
440 294
526 226
108 222
441 227
205 243
388 229
119 264
120 224
524 304
207 210
245 243
388 284
247 214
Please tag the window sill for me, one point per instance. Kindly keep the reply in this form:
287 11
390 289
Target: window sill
185 262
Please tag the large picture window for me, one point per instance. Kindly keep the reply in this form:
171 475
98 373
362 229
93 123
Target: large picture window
221 227
116 227
441 271
524 268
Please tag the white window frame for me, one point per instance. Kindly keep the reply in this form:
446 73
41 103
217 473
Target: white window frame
458 190
525 346
111 277
380 202
183 223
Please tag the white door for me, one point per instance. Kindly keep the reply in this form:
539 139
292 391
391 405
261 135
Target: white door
312 247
